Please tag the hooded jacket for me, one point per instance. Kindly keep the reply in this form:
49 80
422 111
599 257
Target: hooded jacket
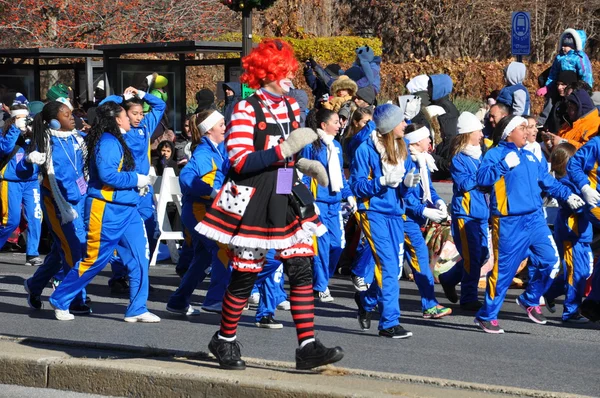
515 94
573 225
370 65
467 199
517 191
586 125
582 168
439 88
575 60
231 100
16 168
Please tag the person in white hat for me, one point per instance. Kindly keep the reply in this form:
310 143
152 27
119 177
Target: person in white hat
423 204
470 214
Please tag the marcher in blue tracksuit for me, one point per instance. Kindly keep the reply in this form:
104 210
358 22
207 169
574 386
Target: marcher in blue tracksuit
573 234
379 178
582 171
328 199
111 217
138 141
470 214
19 185
516 178
59 150
269 287
200 180
422 204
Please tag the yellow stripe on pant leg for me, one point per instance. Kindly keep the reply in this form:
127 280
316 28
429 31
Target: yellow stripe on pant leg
493 279
366 226
466 256
58 231
94 235
569 261
4 199
414 260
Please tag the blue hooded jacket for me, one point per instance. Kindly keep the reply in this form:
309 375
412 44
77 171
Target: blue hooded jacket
467 199
440 87
17 169
575 60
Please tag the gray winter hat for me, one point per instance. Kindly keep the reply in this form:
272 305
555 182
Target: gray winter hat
387 117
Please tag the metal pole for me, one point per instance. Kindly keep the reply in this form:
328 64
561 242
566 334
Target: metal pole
89 79
246 32
519 58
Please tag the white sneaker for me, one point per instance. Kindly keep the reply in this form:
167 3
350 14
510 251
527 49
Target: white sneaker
216 307
62 315
254 298
189 311
284 306
325 297
146 317
359 283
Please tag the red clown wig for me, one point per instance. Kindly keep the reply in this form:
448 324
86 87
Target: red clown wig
271 61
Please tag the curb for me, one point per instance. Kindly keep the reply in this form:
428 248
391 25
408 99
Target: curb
147 372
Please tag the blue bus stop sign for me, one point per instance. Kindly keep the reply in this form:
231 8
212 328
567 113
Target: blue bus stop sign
521 33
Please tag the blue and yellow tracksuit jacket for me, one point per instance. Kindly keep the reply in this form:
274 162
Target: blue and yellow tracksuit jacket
107 181
583 166
204 172
68 167
517 191
414 203
467 199
325 194
17 169
358 139
572 225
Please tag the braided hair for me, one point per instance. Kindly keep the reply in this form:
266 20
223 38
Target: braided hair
106 123
40 139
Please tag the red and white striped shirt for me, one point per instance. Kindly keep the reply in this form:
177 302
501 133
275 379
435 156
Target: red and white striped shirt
239 138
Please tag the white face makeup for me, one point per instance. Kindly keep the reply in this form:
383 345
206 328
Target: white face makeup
285 84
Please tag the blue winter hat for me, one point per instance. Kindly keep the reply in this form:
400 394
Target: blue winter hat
20 99
387 117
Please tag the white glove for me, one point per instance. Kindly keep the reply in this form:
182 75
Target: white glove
36 157
412 109
21 123
412 179
392 179
144 191
512 159
575 202
317 209
435 215
352 203
440 205
142 180
591 196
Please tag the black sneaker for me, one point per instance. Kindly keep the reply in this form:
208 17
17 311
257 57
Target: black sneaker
119 286
227 353
550 305
491 327
80 309
395 332
364 317
33 261
577 318
88 299
591 310
34 302
315 354
472 306
267 322
450 292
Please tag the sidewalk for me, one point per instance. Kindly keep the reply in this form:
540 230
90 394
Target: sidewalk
155 373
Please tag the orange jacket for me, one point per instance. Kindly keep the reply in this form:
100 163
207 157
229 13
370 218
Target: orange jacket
584 129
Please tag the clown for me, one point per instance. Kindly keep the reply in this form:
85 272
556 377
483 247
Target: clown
263 205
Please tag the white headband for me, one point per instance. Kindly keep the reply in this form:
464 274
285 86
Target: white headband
210 121
19 112
517 121
417 135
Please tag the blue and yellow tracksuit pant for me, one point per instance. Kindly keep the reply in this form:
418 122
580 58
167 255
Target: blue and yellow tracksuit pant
329 246
512 238
13 196
269 284
186 254
67 247
417 256
209 257
363 264
147 210
578 265
471 240
385 234
110 226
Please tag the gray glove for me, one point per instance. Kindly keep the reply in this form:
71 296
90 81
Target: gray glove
313 169
297 140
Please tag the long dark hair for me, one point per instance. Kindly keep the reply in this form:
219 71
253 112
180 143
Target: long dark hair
106 123
497 135
40 126
314 120
127 104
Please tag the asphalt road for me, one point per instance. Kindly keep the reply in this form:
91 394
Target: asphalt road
553 357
